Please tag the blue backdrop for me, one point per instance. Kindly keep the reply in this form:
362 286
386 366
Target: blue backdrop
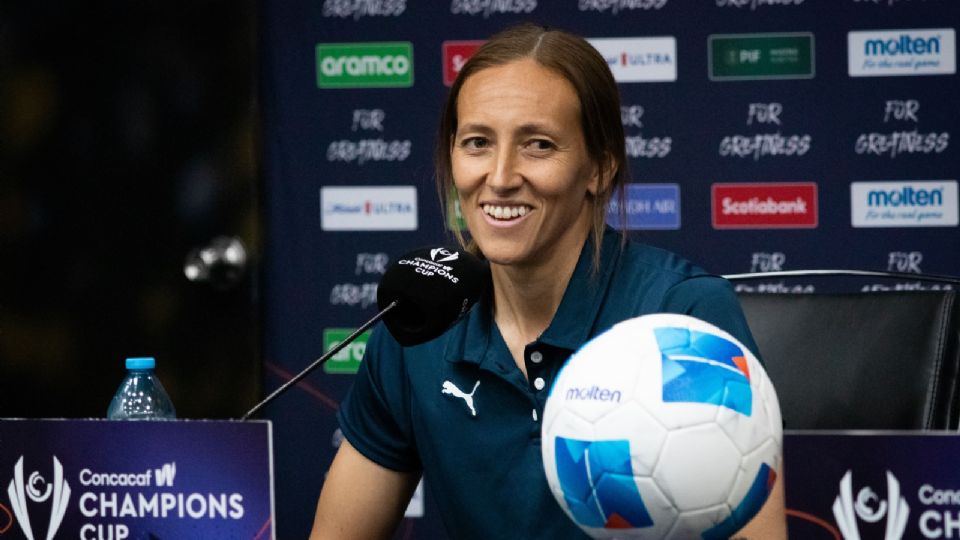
763 135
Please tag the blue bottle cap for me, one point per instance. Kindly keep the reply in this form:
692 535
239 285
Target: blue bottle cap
142 362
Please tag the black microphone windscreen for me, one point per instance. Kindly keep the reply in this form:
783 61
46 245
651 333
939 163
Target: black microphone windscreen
433 288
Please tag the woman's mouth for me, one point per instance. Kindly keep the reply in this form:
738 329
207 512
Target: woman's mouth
505 212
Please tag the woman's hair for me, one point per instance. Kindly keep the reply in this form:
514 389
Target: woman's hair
578 62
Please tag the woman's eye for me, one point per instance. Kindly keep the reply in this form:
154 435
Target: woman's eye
475 143
541 145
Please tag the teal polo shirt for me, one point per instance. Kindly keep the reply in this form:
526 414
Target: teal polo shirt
458 409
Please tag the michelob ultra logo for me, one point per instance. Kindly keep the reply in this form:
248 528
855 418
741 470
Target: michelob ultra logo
365 65
368 208
647 59
347 360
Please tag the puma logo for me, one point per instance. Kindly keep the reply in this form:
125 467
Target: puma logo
450 388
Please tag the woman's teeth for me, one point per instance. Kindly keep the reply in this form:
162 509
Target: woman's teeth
504 212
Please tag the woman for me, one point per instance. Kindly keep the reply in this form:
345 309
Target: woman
532 144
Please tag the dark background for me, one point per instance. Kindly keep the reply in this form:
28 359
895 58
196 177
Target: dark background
128 138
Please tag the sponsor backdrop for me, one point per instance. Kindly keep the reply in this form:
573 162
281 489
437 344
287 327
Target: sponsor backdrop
762 135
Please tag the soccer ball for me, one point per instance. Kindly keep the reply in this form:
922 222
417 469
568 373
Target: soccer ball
663 426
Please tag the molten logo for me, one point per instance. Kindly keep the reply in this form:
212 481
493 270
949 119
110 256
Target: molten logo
593 393
904 44
912 203
882 53
39 491
906 196
699 367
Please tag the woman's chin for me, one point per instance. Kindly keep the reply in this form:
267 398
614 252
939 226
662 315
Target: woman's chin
503 255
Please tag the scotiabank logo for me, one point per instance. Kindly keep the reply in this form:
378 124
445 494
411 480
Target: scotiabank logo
764 206
455 55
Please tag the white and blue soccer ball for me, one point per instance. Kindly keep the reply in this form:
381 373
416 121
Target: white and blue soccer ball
663 426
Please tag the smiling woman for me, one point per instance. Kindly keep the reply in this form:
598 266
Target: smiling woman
531 145
592 100
521 168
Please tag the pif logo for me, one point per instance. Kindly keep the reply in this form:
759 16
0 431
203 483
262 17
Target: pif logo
761 56
347 361
365 65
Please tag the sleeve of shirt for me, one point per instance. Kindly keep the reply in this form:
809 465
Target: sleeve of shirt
375 415
712 299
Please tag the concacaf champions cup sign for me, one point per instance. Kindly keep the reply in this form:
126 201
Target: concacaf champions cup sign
873 485
99 480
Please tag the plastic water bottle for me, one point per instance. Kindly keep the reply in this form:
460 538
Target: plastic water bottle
141 396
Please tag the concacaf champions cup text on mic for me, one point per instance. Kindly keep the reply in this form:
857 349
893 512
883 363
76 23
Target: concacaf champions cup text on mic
420 296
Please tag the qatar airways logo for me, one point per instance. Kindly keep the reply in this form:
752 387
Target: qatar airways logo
901 52
927 203
646 206
764 206
652 59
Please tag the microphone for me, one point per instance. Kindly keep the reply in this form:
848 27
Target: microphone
420 296
433 288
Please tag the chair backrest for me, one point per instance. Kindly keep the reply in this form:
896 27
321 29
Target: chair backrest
879 360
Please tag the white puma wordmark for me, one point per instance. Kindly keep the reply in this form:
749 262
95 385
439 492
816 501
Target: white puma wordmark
450 388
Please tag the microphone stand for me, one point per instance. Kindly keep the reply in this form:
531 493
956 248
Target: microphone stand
319 361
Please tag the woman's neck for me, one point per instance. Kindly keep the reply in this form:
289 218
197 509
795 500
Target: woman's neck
526 298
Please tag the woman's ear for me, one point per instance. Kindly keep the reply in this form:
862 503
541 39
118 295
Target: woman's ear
603 174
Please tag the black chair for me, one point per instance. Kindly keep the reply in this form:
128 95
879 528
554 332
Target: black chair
877 360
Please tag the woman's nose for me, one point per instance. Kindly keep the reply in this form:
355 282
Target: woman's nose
504 175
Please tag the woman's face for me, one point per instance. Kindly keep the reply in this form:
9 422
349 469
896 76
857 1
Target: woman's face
520 165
